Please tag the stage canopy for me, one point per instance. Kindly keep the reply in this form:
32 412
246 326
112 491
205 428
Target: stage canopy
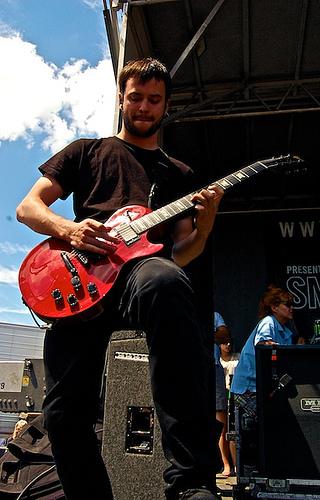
246 87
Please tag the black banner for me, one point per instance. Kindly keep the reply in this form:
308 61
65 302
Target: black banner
294 263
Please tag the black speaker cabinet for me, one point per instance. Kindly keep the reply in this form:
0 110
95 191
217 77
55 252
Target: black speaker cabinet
131 443
288 404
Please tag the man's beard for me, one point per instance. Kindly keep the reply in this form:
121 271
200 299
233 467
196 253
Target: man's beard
133 130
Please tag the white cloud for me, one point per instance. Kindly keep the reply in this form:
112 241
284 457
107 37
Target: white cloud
94 4
38 97
8 276
23 310
13 248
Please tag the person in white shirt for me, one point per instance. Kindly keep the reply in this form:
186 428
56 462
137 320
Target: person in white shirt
221 332
229 361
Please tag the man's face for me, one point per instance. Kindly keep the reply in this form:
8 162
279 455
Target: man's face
143 106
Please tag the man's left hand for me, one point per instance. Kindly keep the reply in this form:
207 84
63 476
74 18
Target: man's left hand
206 204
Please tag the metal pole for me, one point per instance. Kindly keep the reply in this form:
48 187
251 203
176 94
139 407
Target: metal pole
196 37
122 45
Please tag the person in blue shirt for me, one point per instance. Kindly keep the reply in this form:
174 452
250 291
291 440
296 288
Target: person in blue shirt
275 311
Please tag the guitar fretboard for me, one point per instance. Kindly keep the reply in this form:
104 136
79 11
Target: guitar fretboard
241 175
185 204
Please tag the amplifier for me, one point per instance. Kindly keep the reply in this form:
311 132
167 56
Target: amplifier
22 386
288 404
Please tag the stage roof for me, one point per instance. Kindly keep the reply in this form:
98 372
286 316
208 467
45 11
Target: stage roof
246 87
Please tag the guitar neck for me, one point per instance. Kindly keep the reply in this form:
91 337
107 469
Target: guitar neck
185 204
241 175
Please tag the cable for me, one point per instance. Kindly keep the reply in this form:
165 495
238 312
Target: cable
34 480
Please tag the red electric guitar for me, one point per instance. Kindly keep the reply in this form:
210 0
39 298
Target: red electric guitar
58 281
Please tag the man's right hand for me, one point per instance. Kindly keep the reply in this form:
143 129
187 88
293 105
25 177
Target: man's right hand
89 235
93 236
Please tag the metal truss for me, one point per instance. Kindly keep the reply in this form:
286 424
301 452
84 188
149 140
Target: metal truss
251 99
221 100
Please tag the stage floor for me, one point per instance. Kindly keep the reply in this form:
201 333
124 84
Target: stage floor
225 484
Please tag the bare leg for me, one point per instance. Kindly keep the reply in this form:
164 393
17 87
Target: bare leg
223 443
232 448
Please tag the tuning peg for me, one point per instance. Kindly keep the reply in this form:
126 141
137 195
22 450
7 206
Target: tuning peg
296 158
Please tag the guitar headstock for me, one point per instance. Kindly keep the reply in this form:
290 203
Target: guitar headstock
283 160
289 164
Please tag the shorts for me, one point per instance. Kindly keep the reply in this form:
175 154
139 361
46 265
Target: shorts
221 391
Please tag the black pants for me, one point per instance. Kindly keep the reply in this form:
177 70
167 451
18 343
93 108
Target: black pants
156 296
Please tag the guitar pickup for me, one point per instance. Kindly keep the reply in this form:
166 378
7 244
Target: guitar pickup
82 258
132 240
128 235
87 258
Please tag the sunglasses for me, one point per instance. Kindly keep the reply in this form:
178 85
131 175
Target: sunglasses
287 303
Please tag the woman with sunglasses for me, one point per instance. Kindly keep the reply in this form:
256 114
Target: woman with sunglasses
275 311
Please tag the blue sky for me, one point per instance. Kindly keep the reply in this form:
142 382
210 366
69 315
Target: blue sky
56 84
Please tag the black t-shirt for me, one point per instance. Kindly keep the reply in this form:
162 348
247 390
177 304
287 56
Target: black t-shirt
107 174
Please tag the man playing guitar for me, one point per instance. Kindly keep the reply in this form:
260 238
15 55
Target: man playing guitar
151 292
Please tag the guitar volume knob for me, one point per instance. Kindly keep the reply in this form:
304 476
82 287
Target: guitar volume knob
76 282
72 300
56 294
92 288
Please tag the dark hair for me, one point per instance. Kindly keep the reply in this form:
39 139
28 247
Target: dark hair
144 70
272 297
222 335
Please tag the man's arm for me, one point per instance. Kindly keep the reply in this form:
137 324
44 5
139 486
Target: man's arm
267 342
34 211
189 238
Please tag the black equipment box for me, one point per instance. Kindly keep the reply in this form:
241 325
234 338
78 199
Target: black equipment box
288 425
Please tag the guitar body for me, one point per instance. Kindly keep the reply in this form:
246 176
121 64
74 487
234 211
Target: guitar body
43 273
